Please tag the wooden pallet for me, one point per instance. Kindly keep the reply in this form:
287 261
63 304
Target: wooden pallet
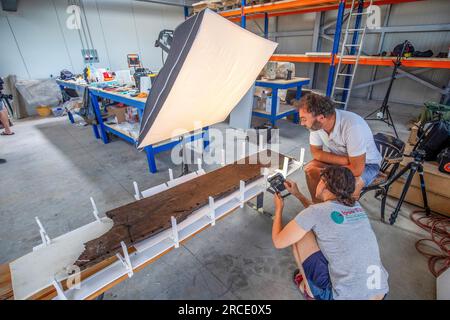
210 4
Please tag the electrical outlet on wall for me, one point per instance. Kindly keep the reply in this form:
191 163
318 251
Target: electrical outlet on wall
90 55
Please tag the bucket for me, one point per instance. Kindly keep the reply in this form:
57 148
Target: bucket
43 111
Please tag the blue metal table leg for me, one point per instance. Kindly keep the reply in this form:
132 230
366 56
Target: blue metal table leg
98 115
273 113
151 158
266 25
70 115
95 130
205 137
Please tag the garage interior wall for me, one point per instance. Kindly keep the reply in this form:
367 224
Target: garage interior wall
36 43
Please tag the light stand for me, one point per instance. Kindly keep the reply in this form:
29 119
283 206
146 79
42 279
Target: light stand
383 113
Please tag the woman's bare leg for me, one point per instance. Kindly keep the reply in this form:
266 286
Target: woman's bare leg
5 121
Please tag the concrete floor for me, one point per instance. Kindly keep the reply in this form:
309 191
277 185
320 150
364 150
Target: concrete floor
54 167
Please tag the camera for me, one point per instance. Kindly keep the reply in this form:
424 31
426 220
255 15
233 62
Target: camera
277 185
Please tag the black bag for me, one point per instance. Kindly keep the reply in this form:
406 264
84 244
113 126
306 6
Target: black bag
409 49
423 54
444 160
66 75
437 137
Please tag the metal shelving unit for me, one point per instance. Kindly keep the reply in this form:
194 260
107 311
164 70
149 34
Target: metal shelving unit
285 8
139 104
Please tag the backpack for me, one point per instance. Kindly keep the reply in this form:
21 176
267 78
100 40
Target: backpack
408 52
437 137
444 160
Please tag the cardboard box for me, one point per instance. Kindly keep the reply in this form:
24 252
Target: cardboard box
436 185
413 135
435 181
118 112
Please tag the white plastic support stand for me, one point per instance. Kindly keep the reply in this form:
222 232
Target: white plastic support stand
95 210
302 157
170 174
285 166
266 177
212 211
59 290
44 236
137 193
125 259
199 164
222 157
261 142
241 192
175 231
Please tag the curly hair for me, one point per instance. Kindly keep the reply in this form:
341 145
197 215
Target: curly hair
316 104
340 182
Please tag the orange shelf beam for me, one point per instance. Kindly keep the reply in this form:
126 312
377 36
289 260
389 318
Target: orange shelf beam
435 63
283 8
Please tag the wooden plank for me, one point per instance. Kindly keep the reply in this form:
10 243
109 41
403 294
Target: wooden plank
6 290
144 218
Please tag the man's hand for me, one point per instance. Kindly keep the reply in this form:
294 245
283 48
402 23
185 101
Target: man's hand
292 187
279 203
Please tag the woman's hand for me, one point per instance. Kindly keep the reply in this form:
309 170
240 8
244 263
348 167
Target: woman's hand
292 187
279 203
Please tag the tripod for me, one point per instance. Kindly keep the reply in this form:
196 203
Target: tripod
414 166
383 113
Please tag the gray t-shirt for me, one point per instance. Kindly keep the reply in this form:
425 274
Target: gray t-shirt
347 241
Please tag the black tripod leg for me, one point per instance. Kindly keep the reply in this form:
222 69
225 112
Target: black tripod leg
371 114
383 205
391 122
394 215
422 187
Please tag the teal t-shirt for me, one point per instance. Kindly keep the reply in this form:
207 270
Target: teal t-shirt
347 241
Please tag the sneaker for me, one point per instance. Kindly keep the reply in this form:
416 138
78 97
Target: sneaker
300 283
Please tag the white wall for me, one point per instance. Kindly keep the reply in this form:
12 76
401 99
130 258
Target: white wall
35 42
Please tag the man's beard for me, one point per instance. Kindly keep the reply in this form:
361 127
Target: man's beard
315 126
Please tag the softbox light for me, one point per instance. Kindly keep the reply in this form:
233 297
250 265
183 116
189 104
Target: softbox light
211 64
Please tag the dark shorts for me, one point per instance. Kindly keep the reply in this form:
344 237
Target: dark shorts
316 272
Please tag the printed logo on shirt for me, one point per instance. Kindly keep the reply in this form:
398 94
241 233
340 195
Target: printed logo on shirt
351 215
337 217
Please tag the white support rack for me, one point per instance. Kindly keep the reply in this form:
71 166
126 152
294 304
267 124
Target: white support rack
125 260
59 290
212 211
95 210
44 236
174 236
151 248
137 194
